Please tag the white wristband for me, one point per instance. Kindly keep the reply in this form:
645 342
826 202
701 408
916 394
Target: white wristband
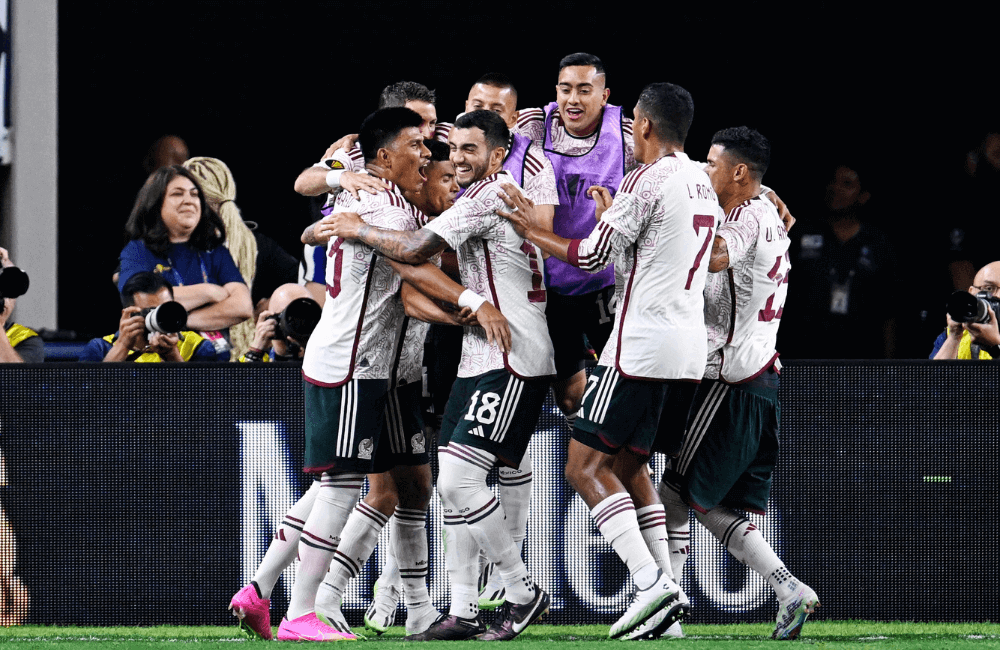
333 178
471 299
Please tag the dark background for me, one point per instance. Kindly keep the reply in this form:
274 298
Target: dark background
266 87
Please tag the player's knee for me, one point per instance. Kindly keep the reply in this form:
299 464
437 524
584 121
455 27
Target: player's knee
414 490
382 494
569 393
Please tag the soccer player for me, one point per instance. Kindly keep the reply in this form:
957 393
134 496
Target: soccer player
657 230
401 482
589 143
731 445
349 359
494 405
251 604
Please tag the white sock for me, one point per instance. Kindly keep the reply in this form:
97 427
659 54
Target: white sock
742 538
652 525
615 517
357 542
320 537
515 496
462 480
460 553
409 547
390 570
283 548
678 522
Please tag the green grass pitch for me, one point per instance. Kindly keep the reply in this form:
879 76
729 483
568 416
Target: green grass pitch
818 635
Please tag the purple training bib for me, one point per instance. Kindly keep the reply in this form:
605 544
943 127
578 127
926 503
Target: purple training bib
603 165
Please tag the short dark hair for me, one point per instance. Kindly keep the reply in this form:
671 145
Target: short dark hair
440 151
492 125
747 146
582 58
380 129
497 80
146 224
670 108
144 282
399 93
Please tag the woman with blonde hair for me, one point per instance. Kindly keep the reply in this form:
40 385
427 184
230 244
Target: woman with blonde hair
219 190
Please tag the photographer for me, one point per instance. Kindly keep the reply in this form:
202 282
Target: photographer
269 343
142 292
974 340
20 345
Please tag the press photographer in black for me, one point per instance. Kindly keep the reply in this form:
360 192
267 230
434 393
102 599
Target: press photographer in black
20 345
284 327
972 331
151 329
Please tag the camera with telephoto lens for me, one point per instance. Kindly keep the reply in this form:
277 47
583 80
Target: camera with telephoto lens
297 321
13 282
167 318
963 307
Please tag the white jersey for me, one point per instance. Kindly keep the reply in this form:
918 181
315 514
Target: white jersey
743 304
499 265
356 335
658 232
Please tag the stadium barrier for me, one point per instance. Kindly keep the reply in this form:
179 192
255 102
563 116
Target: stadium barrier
143 495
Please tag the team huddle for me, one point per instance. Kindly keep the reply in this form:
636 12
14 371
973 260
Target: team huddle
547 235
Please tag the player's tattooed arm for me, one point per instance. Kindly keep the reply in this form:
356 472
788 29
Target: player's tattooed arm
309 235
411 247
720 256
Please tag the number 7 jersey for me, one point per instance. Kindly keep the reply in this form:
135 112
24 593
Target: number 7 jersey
743 304
659 232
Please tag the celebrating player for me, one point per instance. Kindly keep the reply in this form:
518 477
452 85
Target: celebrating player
496 400
657 229
731 445
350 358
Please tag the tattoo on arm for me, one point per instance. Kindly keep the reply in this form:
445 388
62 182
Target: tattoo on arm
412 247
720 256
309 235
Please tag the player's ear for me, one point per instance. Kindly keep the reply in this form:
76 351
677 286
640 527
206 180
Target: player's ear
605 95
382 158
497 155
741 173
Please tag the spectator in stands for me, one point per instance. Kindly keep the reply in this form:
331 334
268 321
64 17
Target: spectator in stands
841 303
132 342
20 345
263 264
175 233
973 340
